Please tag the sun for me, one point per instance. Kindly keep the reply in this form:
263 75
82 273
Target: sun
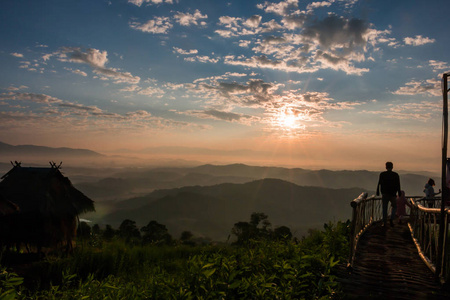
289 121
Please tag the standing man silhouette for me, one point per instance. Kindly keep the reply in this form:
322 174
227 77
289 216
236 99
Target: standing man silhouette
390 185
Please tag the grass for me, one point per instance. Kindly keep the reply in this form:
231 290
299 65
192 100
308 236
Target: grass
257 270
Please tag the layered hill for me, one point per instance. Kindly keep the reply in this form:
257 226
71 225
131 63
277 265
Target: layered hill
135 181
21 152
211 211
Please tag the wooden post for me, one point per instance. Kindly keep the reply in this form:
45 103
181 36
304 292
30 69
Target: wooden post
443 176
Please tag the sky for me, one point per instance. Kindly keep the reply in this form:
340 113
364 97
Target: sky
337 84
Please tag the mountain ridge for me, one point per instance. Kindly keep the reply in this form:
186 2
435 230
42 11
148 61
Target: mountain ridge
211 211
7 149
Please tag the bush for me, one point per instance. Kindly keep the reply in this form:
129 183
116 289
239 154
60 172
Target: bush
264 269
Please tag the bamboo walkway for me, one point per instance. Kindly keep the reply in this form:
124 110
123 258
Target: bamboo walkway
387 266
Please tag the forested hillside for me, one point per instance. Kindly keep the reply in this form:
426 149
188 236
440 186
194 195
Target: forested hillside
212 210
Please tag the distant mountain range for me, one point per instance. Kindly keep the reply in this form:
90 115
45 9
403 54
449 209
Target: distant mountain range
16 152
136 181
211 211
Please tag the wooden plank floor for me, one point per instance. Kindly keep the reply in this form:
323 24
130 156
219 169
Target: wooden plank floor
387 266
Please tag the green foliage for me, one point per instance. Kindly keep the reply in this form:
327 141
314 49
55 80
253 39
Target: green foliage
129 231
155 233
9 285
260 269
259 228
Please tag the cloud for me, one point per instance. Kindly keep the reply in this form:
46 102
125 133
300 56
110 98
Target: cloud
187 19
294 21
418 40
414 87
267 63
117 76
13 88
223 77
410 111
76 71
140 114
79 72
271 104
97 59
185 52
253 21
81 107
438 65
239 26
150 2
270 26
244 44
280 8
202 59
56 114
336 62
36 98
222 116
150 91
93 57
15 54
338 32
159 25
314 5
334 42
131 88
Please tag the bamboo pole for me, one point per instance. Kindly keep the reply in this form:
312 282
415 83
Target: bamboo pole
443 177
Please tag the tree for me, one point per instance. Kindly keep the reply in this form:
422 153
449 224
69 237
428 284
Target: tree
282 233
243 231
155 232
109 232
186 238
128 230
257 228
96 229
84 230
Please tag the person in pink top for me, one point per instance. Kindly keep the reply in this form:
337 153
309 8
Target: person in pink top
401 206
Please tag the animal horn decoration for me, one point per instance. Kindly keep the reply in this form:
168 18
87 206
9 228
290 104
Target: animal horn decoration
53 165
16 163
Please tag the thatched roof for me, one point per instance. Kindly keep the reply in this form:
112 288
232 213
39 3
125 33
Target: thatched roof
43 190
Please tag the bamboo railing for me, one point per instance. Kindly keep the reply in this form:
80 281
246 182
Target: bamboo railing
423 224
366 211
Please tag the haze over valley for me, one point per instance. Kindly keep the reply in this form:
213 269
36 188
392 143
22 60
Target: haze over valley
207 199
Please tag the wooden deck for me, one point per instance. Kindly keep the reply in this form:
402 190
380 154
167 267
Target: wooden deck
387 266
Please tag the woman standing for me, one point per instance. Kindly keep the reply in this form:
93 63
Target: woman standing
429 192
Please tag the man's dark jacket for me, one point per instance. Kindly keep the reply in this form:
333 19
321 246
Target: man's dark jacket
389 182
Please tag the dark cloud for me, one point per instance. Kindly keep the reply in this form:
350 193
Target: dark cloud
337 31
222 115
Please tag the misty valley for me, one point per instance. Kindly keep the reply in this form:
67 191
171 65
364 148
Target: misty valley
208 199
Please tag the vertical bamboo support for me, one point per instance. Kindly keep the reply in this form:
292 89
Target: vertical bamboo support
443 177
352 235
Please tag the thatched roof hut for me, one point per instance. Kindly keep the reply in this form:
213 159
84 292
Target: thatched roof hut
48 205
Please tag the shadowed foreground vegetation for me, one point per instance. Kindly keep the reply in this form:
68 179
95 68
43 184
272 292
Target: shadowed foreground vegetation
258 266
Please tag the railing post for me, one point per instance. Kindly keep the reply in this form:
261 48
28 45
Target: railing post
444 171
444 269
356 216
352 234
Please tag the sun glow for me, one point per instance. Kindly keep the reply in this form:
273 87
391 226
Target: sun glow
289 121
